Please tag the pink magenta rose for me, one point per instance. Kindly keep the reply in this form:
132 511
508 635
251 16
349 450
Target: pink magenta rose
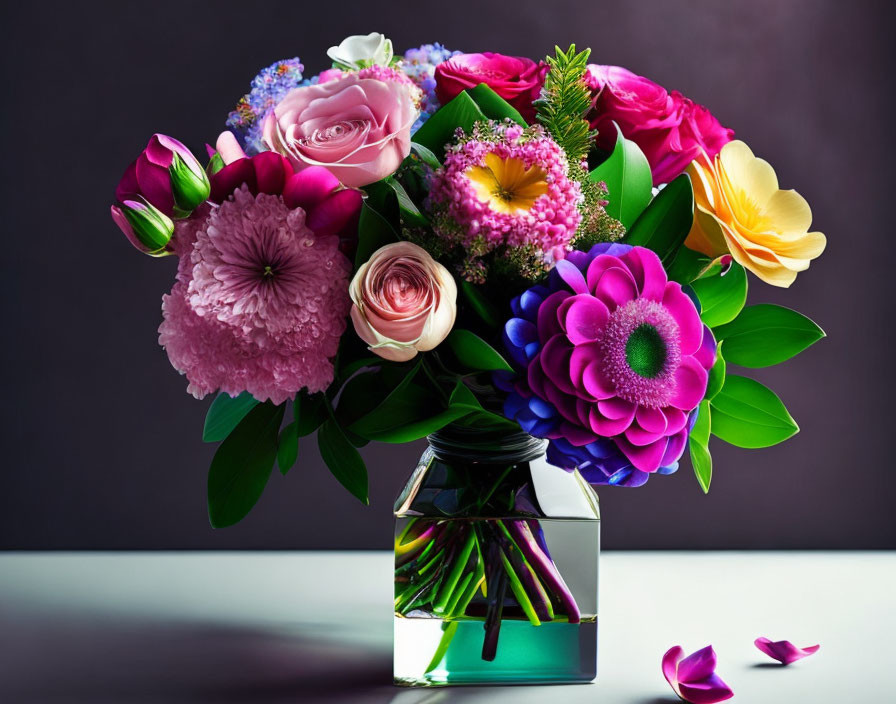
358 128
515 78
404 301
669 128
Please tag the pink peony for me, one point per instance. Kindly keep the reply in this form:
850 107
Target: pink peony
515 78
358 128
669 128
260 303
404 301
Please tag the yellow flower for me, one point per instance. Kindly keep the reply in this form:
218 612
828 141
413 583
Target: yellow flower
506 185
741 210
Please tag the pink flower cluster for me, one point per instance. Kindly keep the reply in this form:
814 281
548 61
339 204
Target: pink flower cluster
261 299
463 220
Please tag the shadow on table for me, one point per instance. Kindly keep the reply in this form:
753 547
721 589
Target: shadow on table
59 659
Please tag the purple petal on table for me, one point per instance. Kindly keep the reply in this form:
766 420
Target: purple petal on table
784 651
693 678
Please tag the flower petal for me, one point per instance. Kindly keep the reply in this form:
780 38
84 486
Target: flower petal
585 318
784 651
615 287
690 384
690 327
570 274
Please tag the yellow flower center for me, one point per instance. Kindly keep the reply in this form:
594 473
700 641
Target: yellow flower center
506 185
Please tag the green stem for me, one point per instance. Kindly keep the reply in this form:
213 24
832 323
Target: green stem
521 597
449 628
450 583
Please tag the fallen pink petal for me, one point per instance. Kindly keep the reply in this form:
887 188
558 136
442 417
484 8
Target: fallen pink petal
694 678
784 651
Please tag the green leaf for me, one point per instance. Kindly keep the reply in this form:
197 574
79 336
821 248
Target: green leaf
766 334
687 265
716 375
309 412
665 224
747 414
698 446
242 465
722 296
493 106
409 210
225 414
474 352
288 447
343 460
374 231
480 303
629 182
426 156
439 129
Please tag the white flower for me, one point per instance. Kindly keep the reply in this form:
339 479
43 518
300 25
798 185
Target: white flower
360 51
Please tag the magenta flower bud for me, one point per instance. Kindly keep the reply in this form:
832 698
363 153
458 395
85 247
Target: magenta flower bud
167 176
147 228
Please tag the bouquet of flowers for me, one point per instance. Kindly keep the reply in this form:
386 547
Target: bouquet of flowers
403 243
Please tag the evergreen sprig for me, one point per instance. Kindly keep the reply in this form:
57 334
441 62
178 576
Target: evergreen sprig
565 100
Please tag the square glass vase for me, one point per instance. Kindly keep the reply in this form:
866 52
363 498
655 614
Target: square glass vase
496 565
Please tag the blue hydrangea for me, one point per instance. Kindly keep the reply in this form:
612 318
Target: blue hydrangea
420 66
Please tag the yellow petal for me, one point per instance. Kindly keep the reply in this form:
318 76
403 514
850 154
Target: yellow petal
746 174
789 212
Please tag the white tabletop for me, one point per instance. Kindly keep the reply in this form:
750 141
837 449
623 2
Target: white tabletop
316 627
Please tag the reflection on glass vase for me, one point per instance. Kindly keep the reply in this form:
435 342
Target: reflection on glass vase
496 565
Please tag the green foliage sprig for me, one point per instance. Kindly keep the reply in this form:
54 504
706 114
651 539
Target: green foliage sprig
565 100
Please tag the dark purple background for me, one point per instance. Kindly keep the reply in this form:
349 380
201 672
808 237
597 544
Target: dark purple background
101 444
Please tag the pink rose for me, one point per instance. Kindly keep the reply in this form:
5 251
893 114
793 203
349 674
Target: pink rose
404 301
515 78
669 128
358 128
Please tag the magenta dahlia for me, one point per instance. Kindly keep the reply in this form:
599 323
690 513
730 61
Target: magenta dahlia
613 362
261 299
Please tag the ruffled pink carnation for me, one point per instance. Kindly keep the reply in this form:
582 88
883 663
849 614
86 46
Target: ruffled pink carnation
260 303
461 218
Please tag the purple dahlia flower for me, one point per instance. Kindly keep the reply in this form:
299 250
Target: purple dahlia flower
613 361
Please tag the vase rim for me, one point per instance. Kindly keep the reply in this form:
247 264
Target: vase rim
485 445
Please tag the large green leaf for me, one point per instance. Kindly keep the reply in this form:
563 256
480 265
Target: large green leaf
343 460
309 412
716 375
698 445
425 155
225 414
766 334
374 231
242 465
665 224
409 210
493 106
687 265
474 352
439 129
722 296
747 414
480 303
629 182
288 447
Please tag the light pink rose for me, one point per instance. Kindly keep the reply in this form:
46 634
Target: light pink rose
404 301
669 128
358 128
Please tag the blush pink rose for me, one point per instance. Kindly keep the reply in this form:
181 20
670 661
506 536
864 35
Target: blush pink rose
358 128
515 78
669 128
404 301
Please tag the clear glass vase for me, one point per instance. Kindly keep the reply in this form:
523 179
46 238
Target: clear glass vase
496 565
